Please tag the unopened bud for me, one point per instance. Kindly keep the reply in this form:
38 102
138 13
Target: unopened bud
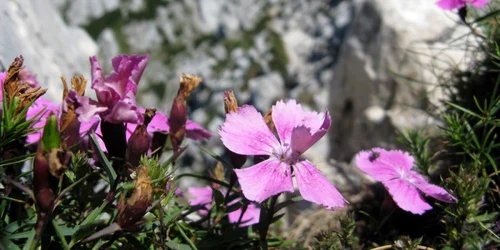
138 143
178 114
177 121
42 182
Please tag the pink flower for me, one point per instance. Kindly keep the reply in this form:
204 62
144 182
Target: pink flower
43 108
245 132
159 123
393 169
117 91
203 197
86 108
455 4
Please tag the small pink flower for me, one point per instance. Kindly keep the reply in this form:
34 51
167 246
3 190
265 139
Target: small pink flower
117 90
245 132
394 169
455 4
203 197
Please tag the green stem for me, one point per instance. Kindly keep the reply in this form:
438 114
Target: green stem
186 238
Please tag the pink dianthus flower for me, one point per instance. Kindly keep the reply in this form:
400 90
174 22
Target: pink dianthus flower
117 91
394 169
245 132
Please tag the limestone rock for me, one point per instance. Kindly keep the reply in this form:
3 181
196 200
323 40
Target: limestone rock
35 30
385 36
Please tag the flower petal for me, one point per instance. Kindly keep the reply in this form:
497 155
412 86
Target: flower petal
245 132
200 196
196 132
125 110
265 179
303 139
102 92
86 107
250 217
314 187
288 115
450 4
479 3
127 73
407 196
384 165
431 190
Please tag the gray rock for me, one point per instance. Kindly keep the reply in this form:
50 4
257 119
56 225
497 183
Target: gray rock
143 36
266 90
108 46
34 29
381 38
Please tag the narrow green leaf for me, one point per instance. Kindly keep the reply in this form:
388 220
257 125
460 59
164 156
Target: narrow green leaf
60 234
7 244
103 159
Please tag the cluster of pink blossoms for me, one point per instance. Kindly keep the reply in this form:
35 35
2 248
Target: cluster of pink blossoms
245 132
116 102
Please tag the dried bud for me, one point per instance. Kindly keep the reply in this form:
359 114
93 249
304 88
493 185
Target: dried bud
138 143
69 124
268 118
230 103
178 114
139 202
188 84
177 122
25 90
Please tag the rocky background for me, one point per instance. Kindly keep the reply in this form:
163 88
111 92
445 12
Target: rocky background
373 63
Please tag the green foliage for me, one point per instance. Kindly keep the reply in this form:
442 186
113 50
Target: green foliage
344 238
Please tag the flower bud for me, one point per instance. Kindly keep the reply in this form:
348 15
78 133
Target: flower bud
137 205
138 143
178 114
177 122
44 195
231 105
